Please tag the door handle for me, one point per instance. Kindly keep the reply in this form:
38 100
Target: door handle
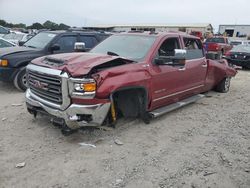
182 69
204 65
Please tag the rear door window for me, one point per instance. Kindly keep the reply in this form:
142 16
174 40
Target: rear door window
194 48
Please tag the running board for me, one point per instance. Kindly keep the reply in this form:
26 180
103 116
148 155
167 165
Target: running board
160 111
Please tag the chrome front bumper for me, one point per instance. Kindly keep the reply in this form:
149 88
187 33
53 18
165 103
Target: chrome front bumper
98 112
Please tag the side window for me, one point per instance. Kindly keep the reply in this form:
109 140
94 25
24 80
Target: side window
168 46
66 43
194 48
90 41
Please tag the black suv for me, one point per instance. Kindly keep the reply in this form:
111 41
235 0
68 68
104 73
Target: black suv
13 60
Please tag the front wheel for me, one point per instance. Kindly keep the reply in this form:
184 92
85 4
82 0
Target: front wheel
224 85
20 80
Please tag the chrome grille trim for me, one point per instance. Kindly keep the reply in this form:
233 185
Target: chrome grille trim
54 89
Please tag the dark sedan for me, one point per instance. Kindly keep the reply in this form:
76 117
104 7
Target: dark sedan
240 56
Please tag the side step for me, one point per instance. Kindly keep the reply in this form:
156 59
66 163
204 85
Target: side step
160 111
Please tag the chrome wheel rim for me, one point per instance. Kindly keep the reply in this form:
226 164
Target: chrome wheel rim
227 83
24 80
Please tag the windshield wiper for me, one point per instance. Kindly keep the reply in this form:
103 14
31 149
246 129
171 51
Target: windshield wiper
112 53
31 46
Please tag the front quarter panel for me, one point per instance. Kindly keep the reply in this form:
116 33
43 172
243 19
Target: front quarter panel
130 75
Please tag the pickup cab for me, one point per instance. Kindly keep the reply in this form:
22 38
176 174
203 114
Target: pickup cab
218 46
140 75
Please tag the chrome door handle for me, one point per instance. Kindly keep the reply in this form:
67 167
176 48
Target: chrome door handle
204 65
182 69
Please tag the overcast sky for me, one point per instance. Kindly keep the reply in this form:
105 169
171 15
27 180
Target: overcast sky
93 12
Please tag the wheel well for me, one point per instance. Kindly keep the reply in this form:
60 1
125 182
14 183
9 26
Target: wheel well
23 64
130 101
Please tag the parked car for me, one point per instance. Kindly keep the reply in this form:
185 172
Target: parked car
239 55
239 42
44 43
217 46
131 75
3 31
17 37
4 43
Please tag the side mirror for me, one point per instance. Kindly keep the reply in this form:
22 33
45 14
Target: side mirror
79 47
179 59
180 54
54 47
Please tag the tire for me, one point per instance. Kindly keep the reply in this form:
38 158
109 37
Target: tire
20 81
224 85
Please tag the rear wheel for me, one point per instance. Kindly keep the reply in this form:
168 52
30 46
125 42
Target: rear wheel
224 85
20 80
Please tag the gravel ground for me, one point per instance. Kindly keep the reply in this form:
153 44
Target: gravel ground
205 144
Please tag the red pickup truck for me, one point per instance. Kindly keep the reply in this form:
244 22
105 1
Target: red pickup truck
128 75
217 46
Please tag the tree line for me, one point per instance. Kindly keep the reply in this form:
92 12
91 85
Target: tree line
46 25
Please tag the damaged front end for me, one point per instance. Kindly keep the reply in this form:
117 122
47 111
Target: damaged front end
52 91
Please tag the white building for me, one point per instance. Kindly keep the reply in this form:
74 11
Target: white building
188 28
235 30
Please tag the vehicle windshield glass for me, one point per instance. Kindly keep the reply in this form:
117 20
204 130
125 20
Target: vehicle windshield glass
40 40
235 42
4 44
13 36
132 47
216 40
241 48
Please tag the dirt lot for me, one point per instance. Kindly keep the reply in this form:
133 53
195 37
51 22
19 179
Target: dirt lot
206 144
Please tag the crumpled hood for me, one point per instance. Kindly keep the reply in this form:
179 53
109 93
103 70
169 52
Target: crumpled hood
76 64
14 50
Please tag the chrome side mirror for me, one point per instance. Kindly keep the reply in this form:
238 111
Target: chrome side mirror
180 54
79 47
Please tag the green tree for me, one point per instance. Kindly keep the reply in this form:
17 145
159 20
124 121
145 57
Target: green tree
36 26
63 26
50 25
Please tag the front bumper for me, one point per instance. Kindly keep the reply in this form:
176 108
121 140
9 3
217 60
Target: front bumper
7 74
72 115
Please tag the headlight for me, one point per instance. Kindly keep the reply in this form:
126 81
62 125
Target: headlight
4 63
82 88
85 87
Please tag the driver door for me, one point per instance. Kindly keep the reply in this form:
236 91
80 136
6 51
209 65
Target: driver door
168 81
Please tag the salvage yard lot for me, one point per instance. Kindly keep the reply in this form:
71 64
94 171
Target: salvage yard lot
206 144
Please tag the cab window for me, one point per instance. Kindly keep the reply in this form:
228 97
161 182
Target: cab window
66 43
168 46
194 48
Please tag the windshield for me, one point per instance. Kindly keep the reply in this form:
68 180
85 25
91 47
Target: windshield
132 47
235 43
4 44
40 40
241 48
13 36
216 40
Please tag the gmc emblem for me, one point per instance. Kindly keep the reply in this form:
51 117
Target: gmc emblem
39 85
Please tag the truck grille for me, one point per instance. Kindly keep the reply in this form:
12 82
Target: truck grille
47 87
